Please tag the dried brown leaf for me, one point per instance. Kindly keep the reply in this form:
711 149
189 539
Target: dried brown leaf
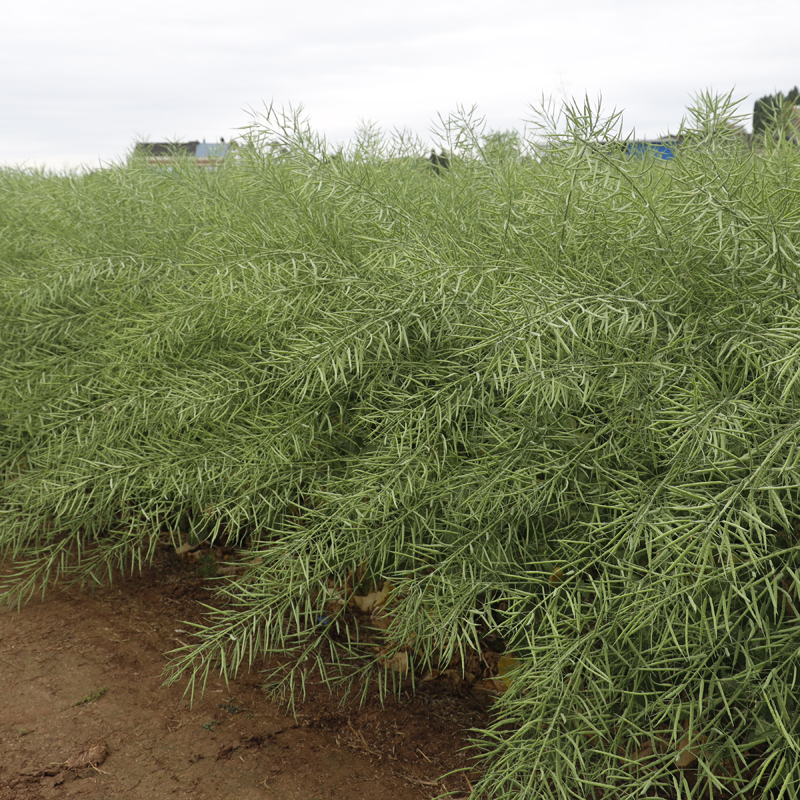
505 665
688 755
397 662
372 602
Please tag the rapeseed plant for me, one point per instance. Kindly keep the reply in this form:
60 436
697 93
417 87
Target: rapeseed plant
553 396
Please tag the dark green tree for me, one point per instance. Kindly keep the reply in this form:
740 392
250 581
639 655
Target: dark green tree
501 146
772 107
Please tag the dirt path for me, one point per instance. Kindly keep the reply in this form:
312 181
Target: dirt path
83 713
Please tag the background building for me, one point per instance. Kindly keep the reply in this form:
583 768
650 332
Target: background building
164 154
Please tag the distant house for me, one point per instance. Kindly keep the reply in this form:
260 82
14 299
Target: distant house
164 154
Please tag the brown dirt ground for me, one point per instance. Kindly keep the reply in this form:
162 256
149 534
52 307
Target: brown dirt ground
139 739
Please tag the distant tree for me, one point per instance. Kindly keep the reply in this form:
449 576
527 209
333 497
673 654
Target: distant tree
334 158
500 146
772 107
439 162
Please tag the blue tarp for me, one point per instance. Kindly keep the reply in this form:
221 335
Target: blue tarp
658 148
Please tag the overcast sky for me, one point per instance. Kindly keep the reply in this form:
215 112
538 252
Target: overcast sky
80 81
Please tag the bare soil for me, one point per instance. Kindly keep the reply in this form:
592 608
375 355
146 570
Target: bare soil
84 713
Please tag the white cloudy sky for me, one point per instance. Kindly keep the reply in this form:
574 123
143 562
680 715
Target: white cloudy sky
81 80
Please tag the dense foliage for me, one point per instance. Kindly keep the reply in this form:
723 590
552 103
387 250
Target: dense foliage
774 108
554 396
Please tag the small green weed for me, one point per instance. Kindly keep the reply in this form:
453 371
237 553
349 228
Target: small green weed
208 567
230 707
210 726
92 696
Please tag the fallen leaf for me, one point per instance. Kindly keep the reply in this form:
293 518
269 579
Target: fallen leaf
382 621
505 664
645 751
557 575
397 662
371 602
689 755
494 685
360 571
